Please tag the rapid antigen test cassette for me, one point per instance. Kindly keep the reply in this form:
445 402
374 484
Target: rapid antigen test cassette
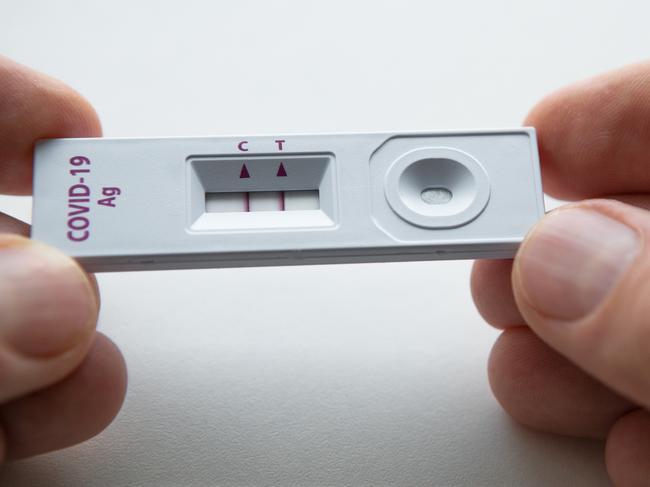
165 203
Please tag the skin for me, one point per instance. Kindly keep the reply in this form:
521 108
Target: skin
589 378
61 382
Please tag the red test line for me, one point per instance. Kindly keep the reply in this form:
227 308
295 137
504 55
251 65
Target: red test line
247 201
282 203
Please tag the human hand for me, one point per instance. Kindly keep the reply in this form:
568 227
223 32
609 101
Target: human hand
61 382
574 305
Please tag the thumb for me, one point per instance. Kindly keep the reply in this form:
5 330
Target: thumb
48 310
582 282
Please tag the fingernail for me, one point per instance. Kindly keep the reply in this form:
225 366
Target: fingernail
572 260
46 303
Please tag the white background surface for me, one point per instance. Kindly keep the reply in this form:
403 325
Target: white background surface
340 375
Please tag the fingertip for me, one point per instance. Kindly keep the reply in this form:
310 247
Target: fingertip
504 375
108 359
103 379
50 305
35 106
553 118
490 285
28 89
541 389
92 279
593 135
71 411
79 117
627 451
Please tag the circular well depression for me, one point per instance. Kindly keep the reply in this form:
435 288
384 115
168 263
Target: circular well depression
426 183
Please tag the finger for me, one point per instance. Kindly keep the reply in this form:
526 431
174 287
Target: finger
48 312
627 452
9 224
543 390
491 286
34 106
491 282
71 411
581 280
594 137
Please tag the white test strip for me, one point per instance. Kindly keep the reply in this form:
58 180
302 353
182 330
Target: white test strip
301 200
189 202
266 201
226 202
237 202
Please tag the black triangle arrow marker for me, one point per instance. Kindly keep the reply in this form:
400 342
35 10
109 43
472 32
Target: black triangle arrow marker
244 172
281 171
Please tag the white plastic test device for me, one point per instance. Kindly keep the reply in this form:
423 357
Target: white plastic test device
166 203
